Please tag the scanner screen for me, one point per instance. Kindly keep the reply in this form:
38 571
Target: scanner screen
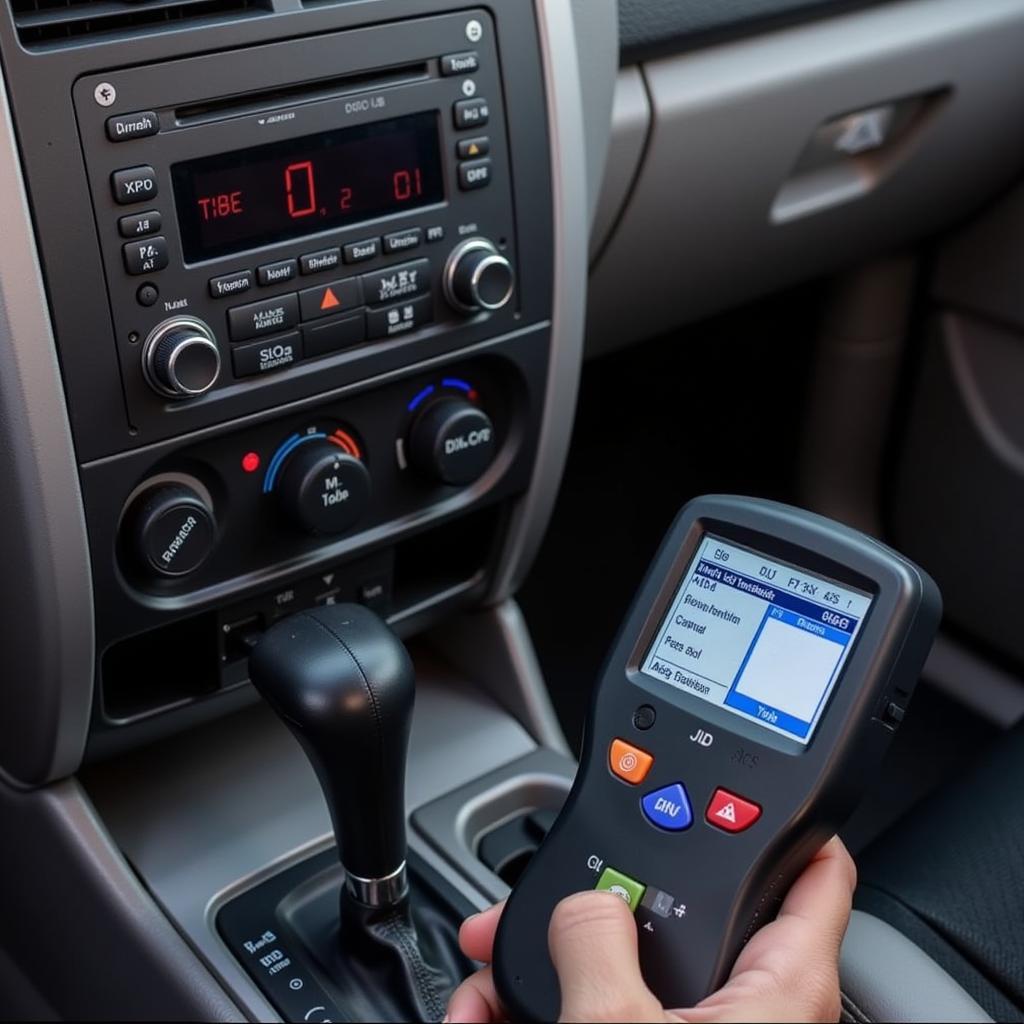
761 638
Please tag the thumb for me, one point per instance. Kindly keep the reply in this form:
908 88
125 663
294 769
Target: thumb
592 939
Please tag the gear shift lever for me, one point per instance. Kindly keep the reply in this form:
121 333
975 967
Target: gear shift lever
344 685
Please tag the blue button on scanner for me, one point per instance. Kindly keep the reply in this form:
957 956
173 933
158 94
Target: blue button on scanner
669 808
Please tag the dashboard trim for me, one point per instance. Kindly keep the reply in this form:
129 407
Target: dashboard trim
46 592
571 233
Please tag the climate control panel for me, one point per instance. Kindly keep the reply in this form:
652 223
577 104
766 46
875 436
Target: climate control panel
286 491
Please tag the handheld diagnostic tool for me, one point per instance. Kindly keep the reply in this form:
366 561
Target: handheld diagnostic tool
756 684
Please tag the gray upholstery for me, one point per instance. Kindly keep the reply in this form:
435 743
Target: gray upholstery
885 977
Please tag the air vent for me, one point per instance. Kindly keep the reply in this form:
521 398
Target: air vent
43 24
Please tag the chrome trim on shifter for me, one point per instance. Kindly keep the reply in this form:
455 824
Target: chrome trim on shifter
379 892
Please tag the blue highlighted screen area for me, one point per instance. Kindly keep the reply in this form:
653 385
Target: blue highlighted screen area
761 638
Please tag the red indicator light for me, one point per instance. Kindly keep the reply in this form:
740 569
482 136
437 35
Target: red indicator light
250 462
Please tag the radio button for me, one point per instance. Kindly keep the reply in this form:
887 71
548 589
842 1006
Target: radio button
137 225
474 174
277 273
231 284
406 316
124 127
146 257
267 356
267 317
333 336
318 262
399 241
328 299
471 113
357 252
394 283
460 63
133 185
470 149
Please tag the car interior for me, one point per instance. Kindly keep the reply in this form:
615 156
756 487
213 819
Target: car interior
326 324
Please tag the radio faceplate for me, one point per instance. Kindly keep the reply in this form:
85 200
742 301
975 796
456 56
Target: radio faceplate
322 309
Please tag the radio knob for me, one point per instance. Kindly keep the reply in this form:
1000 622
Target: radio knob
478 277
324 489
452 441
181 358
173 529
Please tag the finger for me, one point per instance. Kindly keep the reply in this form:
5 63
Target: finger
475 1001
789 969
831 874
593 946
476 936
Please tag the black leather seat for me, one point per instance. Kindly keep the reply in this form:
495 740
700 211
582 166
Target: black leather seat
950 876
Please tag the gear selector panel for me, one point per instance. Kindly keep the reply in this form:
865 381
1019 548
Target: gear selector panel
752 692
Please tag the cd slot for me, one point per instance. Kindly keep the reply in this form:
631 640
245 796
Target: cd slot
305 92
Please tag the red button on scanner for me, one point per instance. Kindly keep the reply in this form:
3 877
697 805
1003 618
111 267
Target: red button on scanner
730 812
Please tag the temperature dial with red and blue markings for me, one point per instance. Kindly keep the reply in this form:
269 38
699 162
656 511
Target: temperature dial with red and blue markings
451 439
321 480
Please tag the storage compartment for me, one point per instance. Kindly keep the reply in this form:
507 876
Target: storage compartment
160 670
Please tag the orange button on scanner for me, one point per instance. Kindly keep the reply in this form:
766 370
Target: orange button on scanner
630 763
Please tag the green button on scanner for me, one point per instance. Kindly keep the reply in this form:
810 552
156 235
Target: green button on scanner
622 885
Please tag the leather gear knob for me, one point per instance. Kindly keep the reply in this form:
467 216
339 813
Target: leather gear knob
344 684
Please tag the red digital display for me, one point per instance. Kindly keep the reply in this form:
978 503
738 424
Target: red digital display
253 197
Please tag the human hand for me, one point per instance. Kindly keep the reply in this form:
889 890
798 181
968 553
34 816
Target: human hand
789 971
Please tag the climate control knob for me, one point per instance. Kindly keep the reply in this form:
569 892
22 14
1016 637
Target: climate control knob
173 529
452 441
477 277
180 358
324 489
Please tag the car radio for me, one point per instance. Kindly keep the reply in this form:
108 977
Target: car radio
253 226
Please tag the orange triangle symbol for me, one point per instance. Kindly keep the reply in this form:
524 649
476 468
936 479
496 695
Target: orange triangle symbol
473 149
330 300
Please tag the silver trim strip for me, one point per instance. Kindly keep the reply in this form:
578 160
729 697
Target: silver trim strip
565 114
47 690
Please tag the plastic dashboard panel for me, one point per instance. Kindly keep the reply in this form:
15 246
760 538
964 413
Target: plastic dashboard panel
660 26
696 226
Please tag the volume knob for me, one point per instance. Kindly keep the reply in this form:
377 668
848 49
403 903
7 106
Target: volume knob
478 277
181 358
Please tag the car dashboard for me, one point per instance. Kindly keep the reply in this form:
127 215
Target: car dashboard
296 297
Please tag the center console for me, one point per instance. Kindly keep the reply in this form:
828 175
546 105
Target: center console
302 288
291 307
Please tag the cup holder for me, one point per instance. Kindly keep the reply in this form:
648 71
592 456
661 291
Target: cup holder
490 828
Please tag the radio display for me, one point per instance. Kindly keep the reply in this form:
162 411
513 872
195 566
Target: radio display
761 638
270 193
